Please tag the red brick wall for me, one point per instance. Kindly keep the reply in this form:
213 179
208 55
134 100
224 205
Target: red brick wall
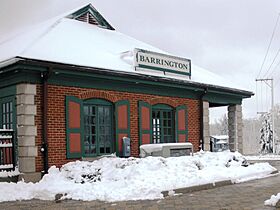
56 117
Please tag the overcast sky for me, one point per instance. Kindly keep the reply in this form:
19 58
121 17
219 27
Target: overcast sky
227 37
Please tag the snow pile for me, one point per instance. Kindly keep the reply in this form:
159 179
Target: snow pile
273 200
117 179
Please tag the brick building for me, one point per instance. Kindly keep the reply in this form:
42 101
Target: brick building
73 87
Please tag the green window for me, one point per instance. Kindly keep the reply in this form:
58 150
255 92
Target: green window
7 115
162 124
98 127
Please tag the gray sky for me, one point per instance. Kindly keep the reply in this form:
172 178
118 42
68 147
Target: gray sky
228 37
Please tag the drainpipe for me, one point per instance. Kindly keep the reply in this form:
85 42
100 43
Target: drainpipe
44 148
201 118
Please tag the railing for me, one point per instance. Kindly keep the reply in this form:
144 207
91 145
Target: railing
7 150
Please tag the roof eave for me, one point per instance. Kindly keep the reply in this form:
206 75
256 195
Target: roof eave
9 61
202 86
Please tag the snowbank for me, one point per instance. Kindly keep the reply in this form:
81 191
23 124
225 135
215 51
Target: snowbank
273 200
117 179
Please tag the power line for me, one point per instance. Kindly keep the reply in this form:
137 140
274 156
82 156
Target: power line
277 83
271 74
278 51
268 48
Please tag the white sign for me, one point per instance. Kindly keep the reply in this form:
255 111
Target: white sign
144 59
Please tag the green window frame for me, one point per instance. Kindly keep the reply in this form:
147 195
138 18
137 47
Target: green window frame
98 128
163 124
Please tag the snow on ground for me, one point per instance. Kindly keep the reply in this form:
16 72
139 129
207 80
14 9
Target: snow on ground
8 173
116 179
263 157
273 200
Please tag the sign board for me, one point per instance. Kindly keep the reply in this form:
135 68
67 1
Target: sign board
144 59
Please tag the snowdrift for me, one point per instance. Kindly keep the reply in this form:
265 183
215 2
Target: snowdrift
117 179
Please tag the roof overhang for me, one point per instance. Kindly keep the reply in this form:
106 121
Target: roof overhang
206 91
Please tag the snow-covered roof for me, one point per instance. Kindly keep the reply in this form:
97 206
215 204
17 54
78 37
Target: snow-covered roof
69 41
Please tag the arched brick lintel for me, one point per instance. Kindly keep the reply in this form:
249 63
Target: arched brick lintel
99 94
162 100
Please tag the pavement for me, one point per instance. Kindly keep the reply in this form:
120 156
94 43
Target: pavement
248 195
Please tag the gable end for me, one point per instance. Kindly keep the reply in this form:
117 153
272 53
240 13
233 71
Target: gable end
90 15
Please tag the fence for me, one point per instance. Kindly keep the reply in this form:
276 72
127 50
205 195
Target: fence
7 149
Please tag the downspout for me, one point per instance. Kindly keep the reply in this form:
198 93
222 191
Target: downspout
201 118
44 148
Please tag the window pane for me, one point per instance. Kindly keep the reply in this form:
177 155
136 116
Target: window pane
93 120
93 131
169 114
86 110
107 130
7 107
86 120
101 139
102 130
11 106
169 123
87 149
92 110
8 117
93 139
93 150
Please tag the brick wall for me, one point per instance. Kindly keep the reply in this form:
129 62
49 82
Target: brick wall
56 117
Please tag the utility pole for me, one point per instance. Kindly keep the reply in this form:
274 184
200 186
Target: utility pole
266 81
272 115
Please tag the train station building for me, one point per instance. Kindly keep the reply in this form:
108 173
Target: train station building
72 87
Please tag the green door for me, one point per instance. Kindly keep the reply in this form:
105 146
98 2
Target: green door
98 122
163 124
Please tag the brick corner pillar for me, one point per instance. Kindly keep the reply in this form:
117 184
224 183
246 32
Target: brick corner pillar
235 125
26 132
206 127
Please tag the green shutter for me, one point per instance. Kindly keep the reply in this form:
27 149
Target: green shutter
122 116
145 123
181 122
74 127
